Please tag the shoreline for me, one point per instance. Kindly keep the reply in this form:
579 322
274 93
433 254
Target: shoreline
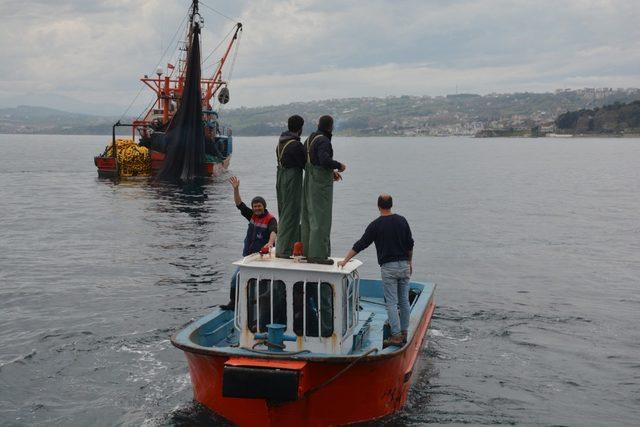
558 136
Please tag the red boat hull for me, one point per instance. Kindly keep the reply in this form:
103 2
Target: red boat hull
107 165
374 387
210 169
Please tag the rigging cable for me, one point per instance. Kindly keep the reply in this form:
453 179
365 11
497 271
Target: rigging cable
213 65
218 12
174 116
153 99
157 65
233 63
219 44
235 55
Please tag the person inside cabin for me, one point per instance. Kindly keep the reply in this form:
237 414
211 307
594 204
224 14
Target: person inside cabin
212 143
261 231
321 170
213 123
394 246
291 161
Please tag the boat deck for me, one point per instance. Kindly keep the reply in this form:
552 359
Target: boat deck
216 333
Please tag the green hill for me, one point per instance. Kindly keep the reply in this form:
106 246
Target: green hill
614 119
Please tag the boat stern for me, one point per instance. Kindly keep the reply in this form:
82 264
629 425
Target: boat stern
106 166
273 380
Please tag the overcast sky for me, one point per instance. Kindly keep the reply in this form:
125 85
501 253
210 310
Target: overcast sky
297 50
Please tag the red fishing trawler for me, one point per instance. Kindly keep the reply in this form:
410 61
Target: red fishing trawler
144 153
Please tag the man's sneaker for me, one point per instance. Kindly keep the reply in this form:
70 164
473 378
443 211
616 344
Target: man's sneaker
282 256
396 340
404 336
325 261
228 306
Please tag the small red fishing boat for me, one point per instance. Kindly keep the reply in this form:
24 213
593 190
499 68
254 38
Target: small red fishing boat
144 153
304 346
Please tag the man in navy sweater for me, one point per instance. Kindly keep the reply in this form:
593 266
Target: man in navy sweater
394 246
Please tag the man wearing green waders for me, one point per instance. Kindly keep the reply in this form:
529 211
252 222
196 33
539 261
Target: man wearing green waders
317 198
291 160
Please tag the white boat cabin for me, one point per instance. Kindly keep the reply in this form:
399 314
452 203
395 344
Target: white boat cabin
319 319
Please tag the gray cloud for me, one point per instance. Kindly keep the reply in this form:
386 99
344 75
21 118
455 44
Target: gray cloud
311 49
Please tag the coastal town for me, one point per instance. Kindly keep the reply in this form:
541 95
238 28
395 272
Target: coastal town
495 114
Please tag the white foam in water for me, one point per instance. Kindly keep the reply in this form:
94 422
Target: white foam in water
438 333
149 366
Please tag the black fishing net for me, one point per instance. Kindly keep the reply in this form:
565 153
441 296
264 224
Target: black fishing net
185 153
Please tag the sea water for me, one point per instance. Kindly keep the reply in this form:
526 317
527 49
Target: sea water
534 245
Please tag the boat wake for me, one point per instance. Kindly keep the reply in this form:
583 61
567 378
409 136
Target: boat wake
192 414
492 351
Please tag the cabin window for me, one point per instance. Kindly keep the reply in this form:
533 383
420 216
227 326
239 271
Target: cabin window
224 147
348 303
272 308
309 316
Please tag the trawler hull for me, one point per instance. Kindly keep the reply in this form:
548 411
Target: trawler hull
210 168
271 389
107 166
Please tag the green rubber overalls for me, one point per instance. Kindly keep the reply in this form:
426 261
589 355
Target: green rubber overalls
289 193
317 204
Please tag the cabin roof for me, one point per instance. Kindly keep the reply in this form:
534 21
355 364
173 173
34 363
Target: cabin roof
256 261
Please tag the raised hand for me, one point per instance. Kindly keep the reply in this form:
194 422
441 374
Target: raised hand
235 182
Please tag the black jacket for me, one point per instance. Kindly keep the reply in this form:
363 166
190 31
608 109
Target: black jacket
392 237
294 156
321 153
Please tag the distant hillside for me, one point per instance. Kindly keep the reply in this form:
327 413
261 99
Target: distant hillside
463 114
615 119
42 120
